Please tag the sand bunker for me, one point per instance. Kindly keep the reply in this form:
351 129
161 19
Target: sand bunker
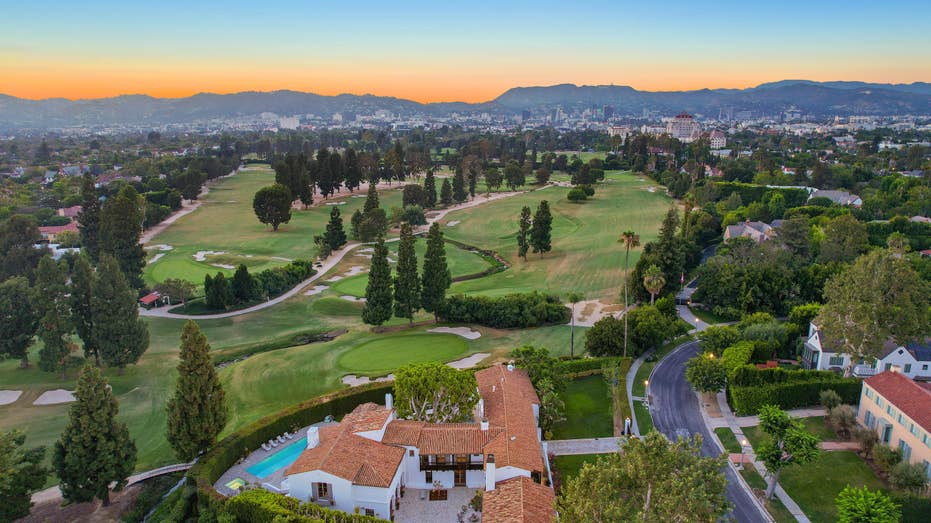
367 249
9 396
354 270
160 247
352 380
468 362
359 196
336 203
223 266
155 258
335 279
353 299
651 189
282 259
465 332
317 289
453 223
202 255
54 397
369 256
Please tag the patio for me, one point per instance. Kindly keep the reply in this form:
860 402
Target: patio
416 506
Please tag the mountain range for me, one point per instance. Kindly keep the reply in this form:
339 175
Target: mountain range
821 99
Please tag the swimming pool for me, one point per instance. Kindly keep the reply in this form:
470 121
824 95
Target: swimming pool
278 460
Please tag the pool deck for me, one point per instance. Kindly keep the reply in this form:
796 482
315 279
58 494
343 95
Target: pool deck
239 470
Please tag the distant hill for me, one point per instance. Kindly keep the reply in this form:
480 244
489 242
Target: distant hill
818 98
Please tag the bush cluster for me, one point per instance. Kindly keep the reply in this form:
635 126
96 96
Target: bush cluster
579 366
262 506
751 388
277 280
505 312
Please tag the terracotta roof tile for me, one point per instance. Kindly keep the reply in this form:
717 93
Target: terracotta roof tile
403 432
518 500
367 416
913 399
509 398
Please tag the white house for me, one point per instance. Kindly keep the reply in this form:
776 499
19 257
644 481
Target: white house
912 359
364 462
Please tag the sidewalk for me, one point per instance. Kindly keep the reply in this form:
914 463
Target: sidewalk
565 447
629 381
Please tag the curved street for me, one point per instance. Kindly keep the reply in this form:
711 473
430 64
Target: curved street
676 412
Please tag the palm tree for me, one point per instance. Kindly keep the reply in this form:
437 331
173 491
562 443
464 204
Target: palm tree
653 281
630 239
574 297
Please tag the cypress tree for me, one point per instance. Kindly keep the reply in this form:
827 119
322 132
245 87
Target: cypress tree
436 276
324 176
336 172
218 295
95 449
18 320
542 228
406 283
353 173
335 236
120 334
198 411
371 201
446 193
523 233
429 189
120 230
459 189
83 280
242 286
89 218
356 224
378 291
53 310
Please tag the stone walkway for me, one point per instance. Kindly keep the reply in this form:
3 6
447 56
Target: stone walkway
566 447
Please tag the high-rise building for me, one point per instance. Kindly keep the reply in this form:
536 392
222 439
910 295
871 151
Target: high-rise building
608 111
684 128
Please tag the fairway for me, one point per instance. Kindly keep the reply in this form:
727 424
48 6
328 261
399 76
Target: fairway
386 354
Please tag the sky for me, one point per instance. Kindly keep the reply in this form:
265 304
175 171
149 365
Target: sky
450 51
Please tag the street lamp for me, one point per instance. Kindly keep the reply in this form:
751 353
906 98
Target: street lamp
743 449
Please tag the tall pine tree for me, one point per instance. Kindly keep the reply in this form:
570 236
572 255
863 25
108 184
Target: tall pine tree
120 230
429 189
406 283
89 218
371 200
542 228
83 280
242 286
50 299
352 171
335 235
198 411
18 320
459 189
120 334
378 292
95 449
523 233
436 276
446 193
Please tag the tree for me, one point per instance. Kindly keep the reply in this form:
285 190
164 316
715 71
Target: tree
120 230
356 224
910 477
242 286
83 281
176 289
880 297
542 228
653 281
446 193
650 327
514 175
542 176
52 307
335 235
788 444
374 221
218 293
18 320
631 240
429 189
198 411
540 366
406 283
353 173
272 205
653 479
606 337
435 393
552 406
845 238
523 232
89 217
862 505
95 449
493 178
716 338
436 275
706 373
459 187
378 298
574 297
119 333
18 254
21 473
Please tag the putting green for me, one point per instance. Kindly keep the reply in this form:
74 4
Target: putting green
387 353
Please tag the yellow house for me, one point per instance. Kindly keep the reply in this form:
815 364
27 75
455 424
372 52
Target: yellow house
899 410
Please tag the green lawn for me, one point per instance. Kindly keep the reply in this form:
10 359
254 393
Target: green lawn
588 410
815 485
644 419
567 467
385 354
814 425
728 439
776 509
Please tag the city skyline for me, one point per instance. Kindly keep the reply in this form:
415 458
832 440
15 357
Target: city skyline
433 53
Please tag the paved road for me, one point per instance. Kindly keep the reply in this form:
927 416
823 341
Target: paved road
676 413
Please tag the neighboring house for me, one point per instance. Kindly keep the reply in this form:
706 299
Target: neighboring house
838 197
364 462
913 360
816 356
920 219
70 212
756 231
51 232
899 410
717 139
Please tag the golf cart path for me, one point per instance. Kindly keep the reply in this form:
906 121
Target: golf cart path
325 266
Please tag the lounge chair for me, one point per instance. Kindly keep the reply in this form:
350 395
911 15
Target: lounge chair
273 443
266 447
288 435
281 439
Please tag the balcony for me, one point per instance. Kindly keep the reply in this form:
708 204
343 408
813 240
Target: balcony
425 464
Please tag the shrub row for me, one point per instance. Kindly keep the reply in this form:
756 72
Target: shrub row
496 263
262 506
512 311
277 280
754 193
747 401
576 366
749 376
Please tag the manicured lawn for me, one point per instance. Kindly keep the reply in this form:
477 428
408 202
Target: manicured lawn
588 410
728 439
643 373
776 509
644 418
385 354
707 316
815 485
814 425
569 466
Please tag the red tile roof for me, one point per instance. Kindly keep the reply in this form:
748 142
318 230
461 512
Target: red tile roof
518 500
913 399
150 298
509 398
58 229
440 438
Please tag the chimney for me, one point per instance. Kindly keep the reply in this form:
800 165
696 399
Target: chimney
484 424
510 367
490 473
313 437
389 401
481 408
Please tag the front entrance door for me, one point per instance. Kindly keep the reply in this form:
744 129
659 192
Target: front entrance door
887 433
460 478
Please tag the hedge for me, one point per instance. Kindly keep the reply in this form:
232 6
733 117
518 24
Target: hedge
577 366
749 375
746 401
915 508
754 193
497 264
262 506
917 233
532 309
277 280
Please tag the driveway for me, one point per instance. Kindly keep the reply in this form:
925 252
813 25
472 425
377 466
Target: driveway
676 413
